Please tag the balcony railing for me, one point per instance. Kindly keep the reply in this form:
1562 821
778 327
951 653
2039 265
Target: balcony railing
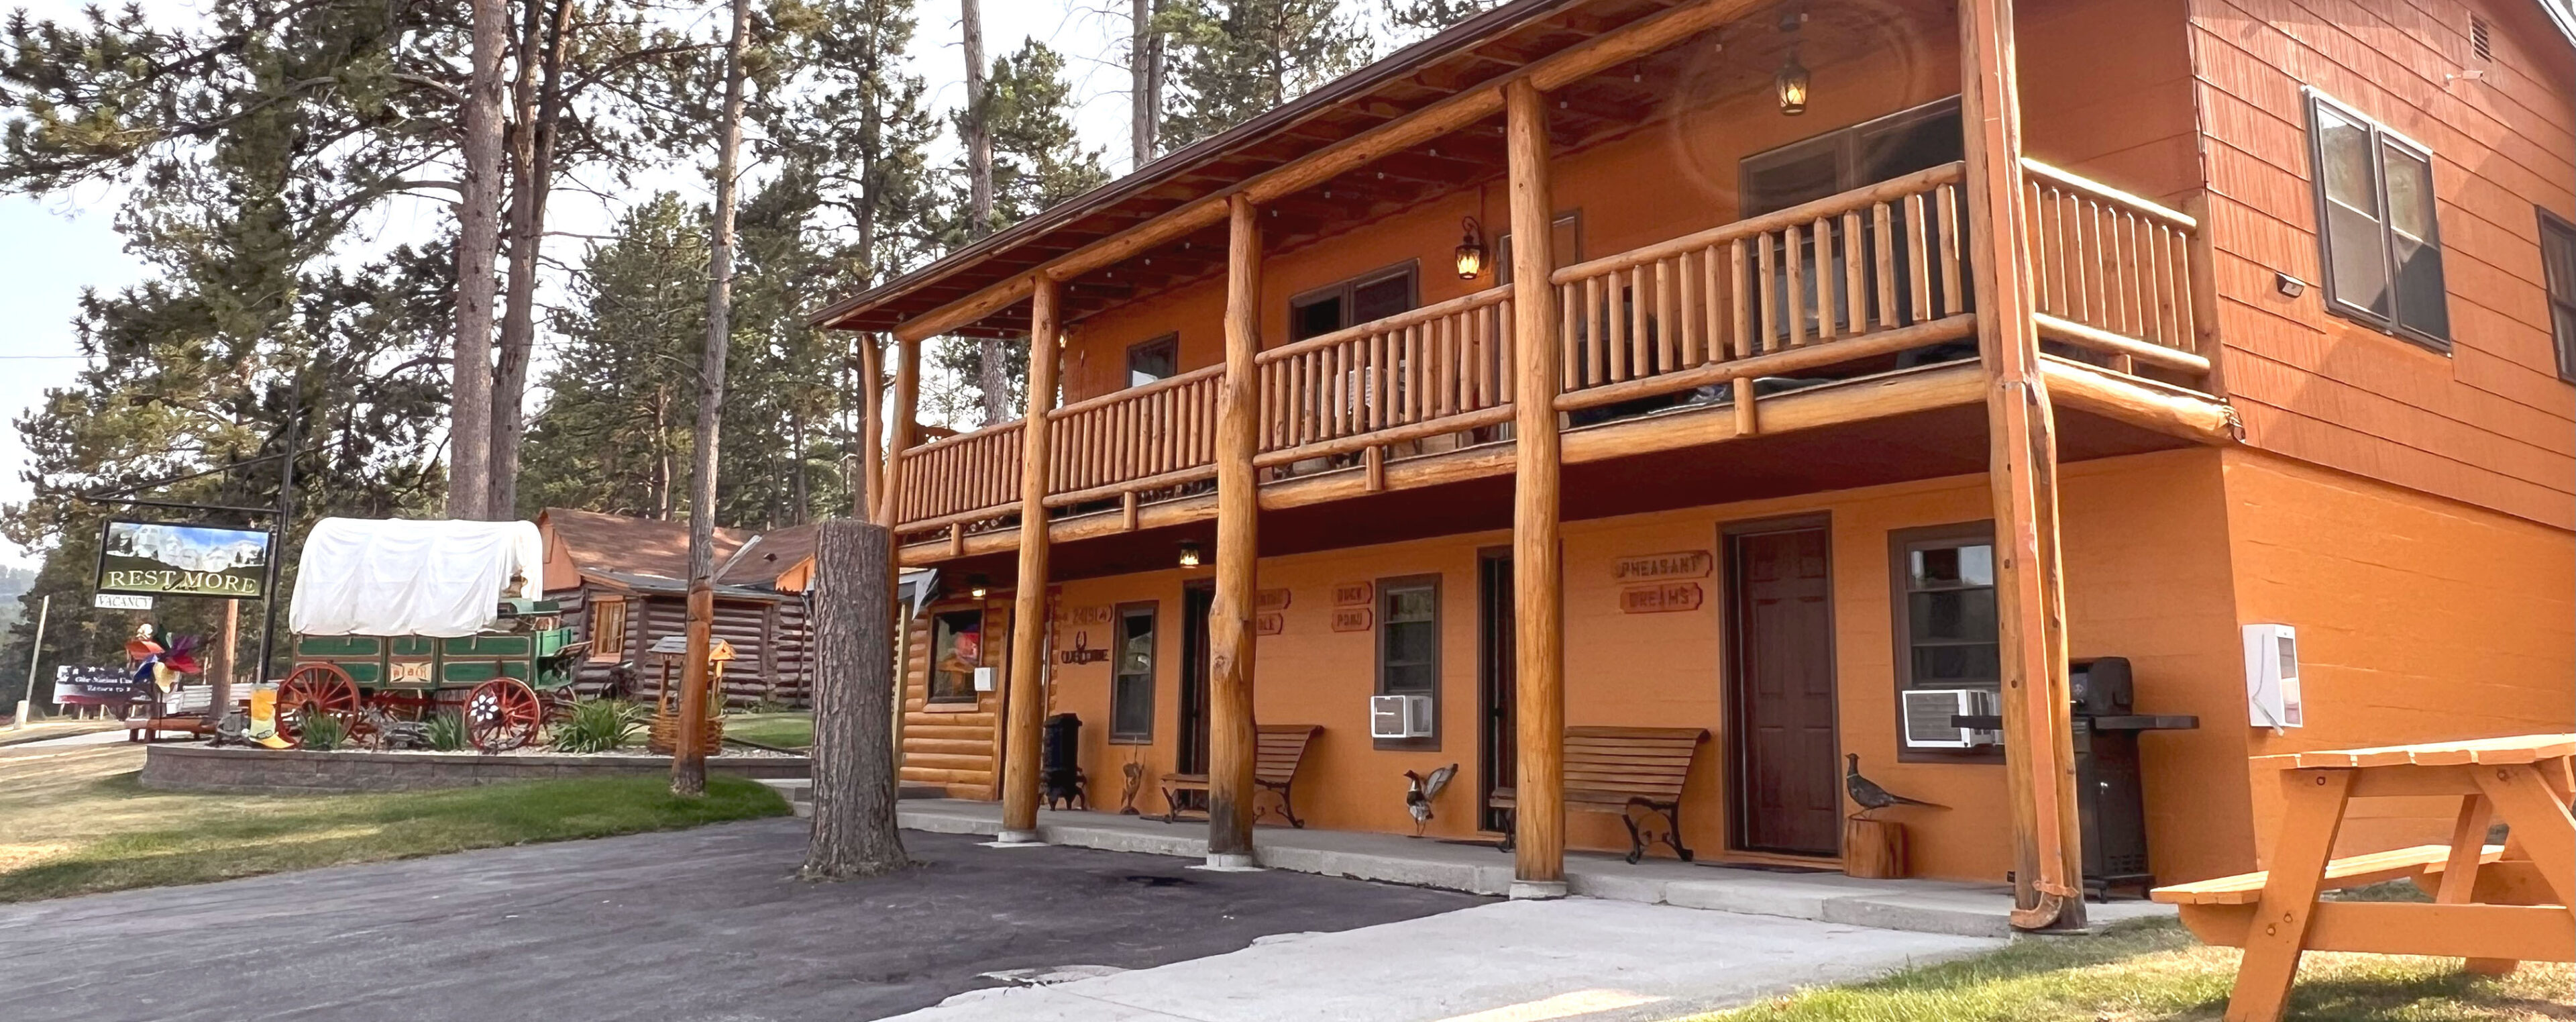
1869 279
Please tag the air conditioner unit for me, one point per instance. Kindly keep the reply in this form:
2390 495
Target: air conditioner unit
1928 712
2272 677
1399 716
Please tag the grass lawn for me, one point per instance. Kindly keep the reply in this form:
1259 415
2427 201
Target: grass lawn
784 730
76 822
2156 972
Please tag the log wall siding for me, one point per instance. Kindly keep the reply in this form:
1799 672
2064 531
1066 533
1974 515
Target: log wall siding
769 665
2491 424
958 751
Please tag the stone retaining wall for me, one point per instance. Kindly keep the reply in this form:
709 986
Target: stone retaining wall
292 771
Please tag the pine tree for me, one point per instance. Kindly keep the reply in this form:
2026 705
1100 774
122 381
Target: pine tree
1425 17
1233 59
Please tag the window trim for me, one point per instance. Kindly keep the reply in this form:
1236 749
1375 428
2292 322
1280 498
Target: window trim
2381 137
1900 542
1171 338
1151 610
1347 288
1385 591
1572 218
2552 223
604 654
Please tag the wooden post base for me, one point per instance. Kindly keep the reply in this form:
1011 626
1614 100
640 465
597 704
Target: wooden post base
1873 849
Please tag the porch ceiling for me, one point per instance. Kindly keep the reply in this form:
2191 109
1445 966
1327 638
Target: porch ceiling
1738 57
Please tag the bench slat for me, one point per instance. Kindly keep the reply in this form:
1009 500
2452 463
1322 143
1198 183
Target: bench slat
2350 871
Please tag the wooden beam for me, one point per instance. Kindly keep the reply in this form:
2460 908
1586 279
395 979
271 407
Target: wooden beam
905 431
2137 402
1538 598
1025 701
1231 636
1563 67
2022 471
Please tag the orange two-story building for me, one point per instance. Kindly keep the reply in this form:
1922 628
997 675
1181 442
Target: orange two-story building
1826 376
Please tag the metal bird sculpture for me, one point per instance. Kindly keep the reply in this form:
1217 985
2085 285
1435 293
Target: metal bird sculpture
1870 796
1420 790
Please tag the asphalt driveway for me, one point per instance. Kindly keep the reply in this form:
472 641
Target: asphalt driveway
707 924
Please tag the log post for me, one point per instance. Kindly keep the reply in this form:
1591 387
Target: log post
854 831
902 433
1025 701
2048 863
1538 601
1238 552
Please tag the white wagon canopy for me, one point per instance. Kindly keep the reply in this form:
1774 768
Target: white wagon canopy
389 577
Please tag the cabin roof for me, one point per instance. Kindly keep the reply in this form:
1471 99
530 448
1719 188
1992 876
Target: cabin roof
592 542
765 557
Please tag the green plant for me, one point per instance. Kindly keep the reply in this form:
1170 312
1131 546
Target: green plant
322 733
598 725
446 731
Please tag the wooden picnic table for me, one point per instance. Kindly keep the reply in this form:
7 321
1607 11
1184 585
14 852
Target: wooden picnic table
2494 905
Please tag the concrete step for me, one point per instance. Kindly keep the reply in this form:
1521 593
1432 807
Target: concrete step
798 791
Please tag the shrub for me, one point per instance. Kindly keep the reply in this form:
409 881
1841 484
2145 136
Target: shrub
447 731
322 732
598 725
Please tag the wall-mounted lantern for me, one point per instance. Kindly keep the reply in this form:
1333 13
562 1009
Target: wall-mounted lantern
1189 555
1471 249
1792 82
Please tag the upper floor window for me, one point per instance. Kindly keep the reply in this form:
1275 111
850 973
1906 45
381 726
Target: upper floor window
1370 296
2558 264
1153 360
1838 161
2382 253
1566 248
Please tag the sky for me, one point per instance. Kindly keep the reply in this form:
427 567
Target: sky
53 246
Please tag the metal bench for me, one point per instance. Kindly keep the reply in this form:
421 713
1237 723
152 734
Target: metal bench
1631 771
1277 749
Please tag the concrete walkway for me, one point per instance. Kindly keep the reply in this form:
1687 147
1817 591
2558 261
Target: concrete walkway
1927 906
1518 961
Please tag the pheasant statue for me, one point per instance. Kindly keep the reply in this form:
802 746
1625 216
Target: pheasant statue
1869 796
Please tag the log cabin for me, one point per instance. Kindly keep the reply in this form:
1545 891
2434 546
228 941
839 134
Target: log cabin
623 583
1846 378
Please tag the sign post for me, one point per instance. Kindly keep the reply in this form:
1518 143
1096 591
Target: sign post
35 648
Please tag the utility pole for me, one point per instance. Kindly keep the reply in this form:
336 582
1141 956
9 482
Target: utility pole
35 649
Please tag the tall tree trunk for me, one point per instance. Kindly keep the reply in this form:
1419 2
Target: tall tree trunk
689 775
992 373
1144 83
536 99
854 831
469 438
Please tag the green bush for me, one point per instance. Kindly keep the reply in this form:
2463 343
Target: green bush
447 731
598 725
322 733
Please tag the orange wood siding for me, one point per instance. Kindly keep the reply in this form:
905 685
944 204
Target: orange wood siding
2491 424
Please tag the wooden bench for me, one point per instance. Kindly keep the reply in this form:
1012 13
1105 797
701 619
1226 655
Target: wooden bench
1625 770
2494 905
1277 749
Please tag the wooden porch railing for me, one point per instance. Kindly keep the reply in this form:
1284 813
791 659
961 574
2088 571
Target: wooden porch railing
2112 272
1158 435
1442 368
962 478
1868 272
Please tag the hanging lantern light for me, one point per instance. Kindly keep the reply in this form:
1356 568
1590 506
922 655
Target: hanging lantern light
977 586
1471 249
1792 83
1189 555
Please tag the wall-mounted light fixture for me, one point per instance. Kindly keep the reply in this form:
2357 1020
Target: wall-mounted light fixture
1471 249
2289 286
978 585
1189 554
1792 82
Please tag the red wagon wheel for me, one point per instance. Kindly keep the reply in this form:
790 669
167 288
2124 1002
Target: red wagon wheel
503 714
311 690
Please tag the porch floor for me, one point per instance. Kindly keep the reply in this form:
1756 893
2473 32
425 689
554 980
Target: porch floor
1928 906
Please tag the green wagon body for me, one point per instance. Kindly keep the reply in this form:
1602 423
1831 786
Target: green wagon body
505 681
420 663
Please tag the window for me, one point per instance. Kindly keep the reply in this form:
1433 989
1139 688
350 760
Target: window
608 629
1945 607
2381 252
1838 161
1131 682
1408 646
1369 296
956 650
2558 265
1153 360
1567 229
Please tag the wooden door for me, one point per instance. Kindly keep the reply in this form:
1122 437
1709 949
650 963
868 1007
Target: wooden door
1497 747
1197 601
1785 783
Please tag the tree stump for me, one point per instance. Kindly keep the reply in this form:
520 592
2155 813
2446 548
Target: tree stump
854 769
1873 849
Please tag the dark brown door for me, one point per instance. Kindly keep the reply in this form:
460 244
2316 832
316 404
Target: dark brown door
1497 750
1196 602
1786 787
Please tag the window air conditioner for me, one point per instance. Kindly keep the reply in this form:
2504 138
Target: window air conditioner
1399 716
1928 712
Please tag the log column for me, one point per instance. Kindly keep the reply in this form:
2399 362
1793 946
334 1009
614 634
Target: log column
1238 552
2048 864
1026 698
1538 598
